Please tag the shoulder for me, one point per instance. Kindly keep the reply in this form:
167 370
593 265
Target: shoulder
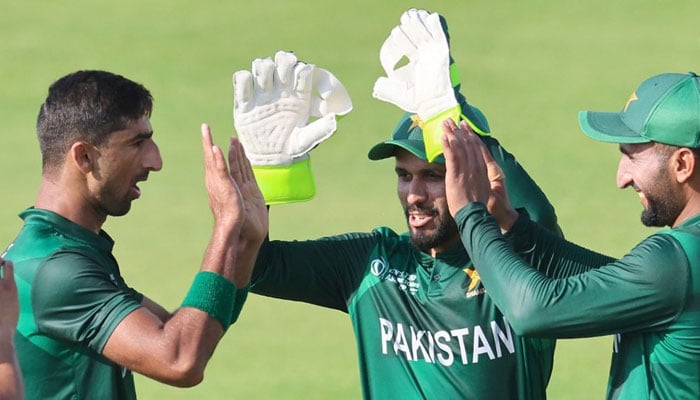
69 263
68 272
385 231
389 237
678 243
661 259
661 244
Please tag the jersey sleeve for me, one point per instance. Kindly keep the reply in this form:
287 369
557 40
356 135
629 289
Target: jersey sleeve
76 300
645 290
523 191
323 272
536 245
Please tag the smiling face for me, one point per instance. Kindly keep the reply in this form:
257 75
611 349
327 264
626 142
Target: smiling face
421 190
126 159
646 168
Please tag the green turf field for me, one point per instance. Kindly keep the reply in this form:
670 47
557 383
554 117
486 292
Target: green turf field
529 65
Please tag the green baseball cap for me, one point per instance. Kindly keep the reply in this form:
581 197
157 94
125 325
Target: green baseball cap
665 109
408 135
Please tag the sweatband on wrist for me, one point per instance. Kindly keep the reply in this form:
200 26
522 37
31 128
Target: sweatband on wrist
213 294
432 131
286 184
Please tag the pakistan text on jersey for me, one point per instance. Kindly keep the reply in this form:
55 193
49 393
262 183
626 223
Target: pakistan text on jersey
463 345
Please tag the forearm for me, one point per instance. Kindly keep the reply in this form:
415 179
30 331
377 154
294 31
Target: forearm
548 252
220 255
245 262
175 352
244 269
175 349
192 333
617 297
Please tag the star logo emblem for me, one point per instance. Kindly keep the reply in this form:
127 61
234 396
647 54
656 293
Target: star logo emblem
416 122
632 98
474 276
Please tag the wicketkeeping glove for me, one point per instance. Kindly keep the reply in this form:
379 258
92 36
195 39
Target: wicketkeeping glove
426 85
272 105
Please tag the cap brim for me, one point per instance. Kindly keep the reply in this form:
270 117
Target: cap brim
387 149
608 127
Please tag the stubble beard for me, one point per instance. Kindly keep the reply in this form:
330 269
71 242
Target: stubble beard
664 204
661 212
426 241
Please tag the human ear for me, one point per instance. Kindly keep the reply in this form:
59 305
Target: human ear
82 155
683 163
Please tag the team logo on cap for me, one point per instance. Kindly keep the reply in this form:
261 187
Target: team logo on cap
417 122
632 98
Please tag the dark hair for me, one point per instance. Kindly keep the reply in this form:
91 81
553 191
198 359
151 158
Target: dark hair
87 106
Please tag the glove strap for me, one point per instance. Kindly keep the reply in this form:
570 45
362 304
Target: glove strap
432 131
286 184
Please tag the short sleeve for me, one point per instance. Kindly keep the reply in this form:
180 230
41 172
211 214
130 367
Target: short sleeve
76 300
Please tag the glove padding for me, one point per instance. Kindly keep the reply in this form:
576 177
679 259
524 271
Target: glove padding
425 84
422 86
272 106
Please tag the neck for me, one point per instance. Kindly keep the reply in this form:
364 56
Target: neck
444 246
62 199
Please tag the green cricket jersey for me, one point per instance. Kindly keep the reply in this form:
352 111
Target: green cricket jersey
424 326
71 297
650 298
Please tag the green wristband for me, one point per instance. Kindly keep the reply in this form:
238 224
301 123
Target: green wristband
287 184
213 294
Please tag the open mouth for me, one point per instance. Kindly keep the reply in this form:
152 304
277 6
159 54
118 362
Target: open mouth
419 219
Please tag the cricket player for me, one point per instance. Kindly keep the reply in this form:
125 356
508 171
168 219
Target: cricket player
82 330
650 298
425 326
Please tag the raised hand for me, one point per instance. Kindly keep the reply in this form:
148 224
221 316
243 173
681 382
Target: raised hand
472 174
225 199
257 223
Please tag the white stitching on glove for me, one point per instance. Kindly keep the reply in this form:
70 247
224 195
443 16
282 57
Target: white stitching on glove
274 102
423 85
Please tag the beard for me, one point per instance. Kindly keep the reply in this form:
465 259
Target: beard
664 204
662 211
446 230
112 204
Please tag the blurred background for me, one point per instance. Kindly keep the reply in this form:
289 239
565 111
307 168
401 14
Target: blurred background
529 65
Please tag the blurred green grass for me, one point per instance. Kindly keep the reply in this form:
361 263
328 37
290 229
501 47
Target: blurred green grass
530 65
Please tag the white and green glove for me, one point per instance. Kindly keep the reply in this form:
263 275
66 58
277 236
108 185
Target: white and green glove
272 106
426 84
